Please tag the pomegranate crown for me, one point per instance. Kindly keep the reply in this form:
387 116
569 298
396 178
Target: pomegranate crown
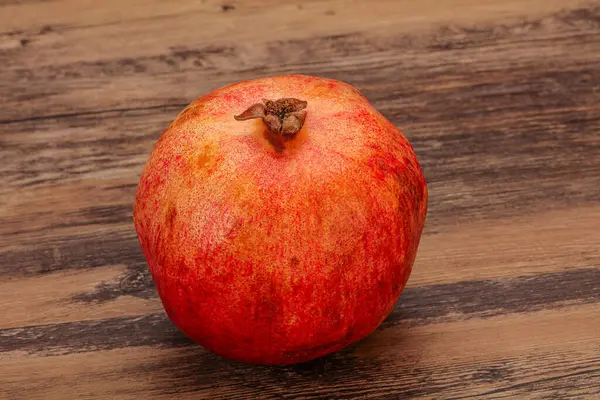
284 116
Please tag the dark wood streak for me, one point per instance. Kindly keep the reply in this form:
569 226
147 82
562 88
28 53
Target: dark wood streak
94 215
107 113
88 251
4 3
135 281
417 306
483 299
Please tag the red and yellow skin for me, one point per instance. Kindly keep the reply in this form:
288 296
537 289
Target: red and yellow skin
273 256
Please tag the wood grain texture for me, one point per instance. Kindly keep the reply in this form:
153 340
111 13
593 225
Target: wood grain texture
500 100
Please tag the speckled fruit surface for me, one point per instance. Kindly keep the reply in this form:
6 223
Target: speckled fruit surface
278 253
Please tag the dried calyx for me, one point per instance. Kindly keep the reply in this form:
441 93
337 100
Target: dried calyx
284 117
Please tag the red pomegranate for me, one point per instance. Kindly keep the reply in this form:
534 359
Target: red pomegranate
287 232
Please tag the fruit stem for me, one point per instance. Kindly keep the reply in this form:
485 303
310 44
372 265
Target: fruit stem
283 117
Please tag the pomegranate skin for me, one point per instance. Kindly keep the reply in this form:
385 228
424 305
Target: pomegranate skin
273 256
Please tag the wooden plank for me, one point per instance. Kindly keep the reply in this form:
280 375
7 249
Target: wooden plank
414 41
522 245
417 306
446 360
75 295
85 288
88 23
473 174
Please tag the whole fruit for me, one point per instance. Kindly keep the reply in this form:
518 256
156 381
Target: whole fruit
287 232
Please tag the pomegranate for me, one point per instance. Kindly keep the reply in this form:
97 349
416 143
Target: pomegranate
287 232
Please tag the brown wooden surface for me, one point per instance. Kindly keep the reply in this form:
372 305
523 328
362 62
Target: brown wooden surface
501 100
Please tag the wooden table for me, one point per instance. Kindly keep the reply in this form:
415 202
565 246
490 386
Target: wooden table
501 100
